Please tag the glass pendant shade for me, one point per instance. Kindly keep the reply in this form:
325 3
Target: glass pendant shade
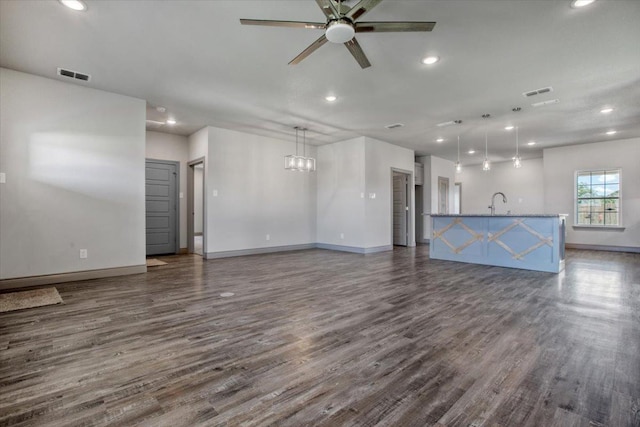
485 164
458 165
517 161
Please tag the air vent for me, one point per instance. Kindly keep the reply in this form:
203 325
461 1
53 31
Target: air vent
543 103
538 91
394 126
449 123
74 74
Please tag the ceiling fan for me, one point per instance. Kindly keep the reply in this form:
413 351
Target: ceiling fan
341 27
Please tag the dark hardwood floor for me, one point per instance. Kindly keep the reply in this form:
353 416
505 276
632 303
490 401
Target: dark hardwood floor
321 338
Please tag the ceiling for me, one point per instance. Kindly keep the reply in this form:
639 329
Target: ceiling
196 60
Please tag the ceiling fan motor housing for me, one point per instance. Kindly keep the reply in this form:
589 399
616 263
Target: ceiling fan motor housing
340 31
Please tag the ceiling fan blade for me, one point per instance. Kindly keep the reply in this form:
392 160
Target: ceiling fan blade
329 9
361 8
308 51
292 24
390 27
357 52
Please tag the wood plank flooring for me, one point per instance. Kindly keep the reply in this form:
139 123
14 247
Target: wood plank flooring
321 338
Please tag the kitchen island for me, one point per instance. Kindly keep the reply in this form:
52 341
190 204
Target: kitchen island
530 242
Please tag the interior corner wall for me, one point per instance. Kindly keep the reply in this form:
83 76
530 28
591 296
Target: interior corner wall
341 193
166 146
252 201
524 188
380 159
560 166
74 164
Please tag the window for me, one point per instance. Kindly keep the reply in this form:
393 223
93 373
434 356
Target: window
598 197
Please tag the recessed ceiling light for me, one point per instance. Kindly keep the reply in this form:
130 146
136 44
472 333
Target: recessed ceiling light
606 110
531 143
331 98
439 139
430 60
611 132
581 3
471 151
74 4
171 122
508 127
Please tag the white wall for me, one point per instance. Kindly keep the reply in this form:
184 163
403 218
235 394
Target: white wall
341 193
256 196
560 165
165 146
380 158
74 164
524 188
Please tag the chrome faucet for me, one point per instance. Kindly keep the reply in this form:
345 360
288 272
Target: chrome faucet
493 201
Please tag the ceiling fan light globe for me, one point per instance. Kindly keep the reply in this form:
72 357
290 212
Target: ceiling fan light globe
340 32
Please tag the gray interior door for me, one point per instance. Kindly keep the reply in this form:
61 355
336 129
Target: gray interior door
400 209
161 207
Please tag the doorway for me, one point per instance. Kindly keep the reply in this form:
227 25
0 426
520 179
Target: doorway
401 213
195 205
443 195
161 206
457 198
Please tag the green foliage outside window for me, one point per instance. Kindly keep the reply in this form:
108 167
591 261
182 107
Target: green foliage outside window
598 197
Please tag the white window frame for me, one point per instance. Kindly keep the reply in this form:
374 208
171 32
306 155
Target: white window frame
576 199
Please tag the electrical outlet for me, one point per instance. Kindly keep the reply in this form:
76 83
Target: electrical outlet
181 195
342 235
83 253
3 178
268 237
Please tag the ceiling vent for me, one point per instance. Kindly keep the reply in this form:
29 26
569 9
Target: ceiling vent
538 91
394 126
73 74
543 103
449 123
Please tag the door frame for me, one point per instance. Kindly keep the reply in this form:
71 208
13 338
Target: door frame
410 201
176 195
191 205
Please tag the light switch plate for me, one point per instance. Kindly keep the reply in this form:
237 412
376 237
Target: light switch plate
3 178
181 195
215 193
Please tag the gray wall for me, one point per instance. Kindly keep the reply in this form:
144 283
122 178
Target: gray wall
74 164
560 165
165 146
341 193
524 187
355 192
255 195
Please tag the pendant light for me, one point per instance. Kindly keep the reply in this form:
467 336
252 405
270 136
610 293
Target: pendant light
458 166
517 161
296 162
485 164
